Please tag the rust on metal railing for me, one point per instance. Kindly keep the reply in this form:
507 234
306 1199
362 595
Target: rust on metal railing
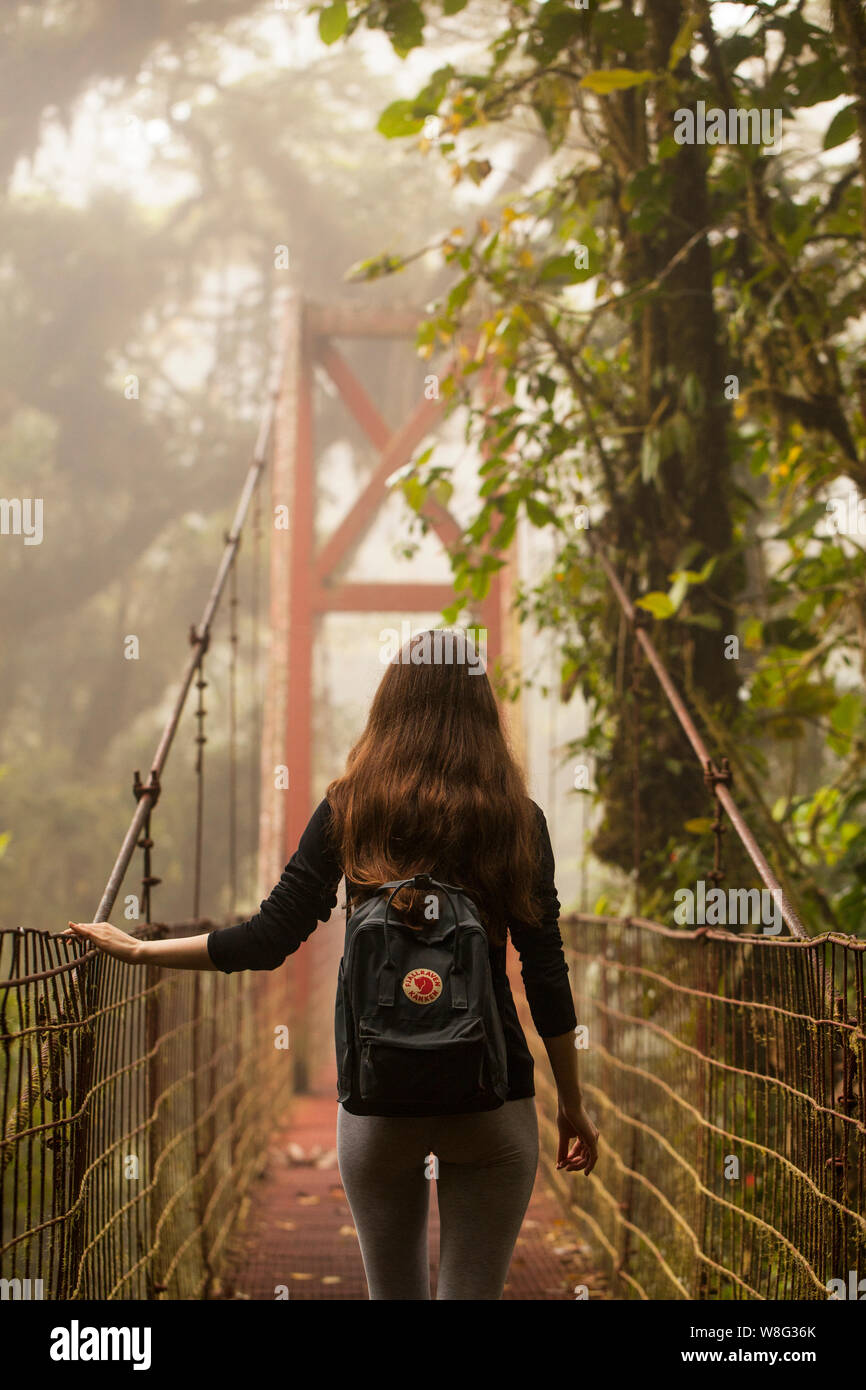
129 1186
731 1109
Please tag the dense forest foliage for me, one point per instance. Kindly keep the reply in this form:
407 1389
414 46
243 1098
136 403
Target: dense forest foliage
677 305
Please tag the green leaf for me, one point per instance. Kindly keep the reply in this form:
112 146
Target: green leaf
804 522
700 576
657 603
786 632
333 21
618 30
557 28
564 270
710 621
683 41
847 712
821 80
454 6
375 268
479 583
678 591
477 170
505 535
399 119
842 127
429 100
552 101
605 80
650 456
701 825
443 491
460 293
414 492
738 47
538 512
404 25
857 798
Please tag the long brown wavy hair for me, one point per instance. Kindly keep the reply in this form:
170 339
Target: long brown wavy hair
431 786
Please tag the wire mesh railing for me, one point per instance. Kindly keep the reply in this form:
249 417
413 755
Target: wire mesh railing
724 1072
136 1104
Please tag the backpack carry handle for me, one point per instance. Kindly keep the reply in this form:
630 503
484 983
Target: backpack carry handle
387 973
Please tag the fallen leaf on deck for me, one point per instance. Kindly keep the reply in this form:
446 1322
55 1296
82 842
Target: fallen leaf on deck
347 1231
301 1276
331 1278
307 1200
327 1160
295 1154
285 1225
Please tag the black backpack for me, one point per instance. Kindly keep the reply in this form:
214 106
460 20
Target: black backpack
416 1019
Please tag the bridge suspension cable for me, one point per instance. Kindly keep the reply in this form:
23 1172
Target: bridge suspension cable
717 779
199 637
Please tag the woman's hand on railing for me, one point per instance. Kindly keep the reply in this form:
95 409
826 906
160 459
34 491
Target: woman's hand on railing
177 953
108 939
574 1124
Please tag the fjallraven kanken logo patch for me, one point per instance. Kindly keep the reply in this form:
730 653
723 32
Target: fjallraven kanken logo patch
422 986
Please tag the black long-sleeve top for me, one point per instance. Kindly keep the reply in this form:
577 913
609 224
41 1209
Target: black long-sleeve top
307 893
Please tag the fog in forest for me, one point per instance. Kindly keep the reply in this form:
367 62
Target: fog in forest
163 192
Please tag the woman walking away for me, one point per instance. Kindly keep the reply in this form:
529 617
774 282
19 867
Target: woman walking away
444 855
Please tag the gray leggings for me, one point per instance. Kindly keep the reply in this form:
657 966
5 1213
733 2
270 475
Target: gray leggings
486 1171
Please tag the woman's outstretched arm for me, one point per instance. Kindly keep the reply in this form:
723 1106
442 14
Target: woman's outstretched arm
304 896
181 952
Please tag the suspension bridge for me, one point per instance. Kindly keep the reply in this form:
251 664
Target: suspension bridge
157 1145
